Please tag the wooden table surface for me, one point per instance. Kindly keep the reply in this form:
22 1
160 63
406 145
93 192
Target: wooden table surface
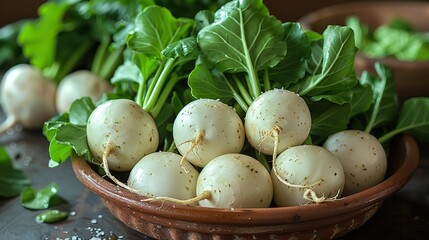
403 216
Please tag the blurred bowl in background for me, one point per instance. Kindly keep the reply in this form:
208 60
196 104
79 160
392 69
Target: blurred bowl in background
412 77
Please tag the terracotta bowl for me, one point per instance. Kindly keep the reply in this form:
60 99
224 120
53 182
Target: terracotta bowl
166 220
412 77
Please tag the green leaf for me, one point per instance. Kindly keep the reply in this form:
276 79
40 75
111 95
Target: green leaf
385 107
414 118
12 180
361 100
80 110
75 137
293 67
58 152
327 118
38 38
51 216
127 72
243 38
40 198
204 84
155 28
337 66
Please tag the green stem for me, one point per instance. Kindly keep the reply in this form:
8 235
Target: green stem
237 96
159 84
394 132
166 91
100 54
66 67
243 91
375 111
113 60
154 81
267 84
253 75
140 92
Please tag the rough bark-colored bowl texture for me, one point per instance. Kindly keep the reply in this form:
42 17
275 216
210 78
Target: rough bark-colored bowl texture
412 77
166 220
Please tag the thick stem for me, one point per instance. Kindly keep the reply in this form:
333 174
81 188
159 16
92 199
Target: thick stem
241 102
100 55
159 84
165 93
253 75
244 93
154 81
8 123
111 64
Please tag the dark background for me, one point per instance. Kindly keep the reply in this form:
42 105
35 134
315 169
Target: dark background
12 10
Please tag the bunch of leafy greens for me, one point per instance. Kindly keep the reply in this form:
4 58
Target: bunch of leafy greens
75 34
235 54
395 39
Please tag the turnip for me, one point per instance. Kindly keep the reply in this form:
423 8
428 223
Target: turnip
205 129
160 175
362 157
121 132
235 181
27 97
305 174
276 120
82 83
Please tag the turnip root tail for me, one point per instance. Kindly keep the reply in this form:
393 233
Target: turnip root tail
275 132
311 195
105 165
202 196
7 124
195 142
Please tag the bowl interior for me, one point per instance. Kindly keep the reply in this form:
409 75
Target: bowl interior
371 13
403 160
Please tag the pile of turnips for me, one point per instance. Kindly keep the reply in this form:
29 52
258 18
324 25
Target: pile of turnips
213 168
30 99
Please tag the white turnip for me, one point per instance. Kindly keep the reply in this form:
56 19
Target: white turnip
160 174
235 181
121 132
305 174
276 120
362 157
82 83
205 129
27 97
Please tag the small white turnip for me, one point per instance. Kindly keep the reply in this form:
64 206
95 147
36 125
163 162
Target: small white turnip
276 120
27 97
235 181
122 132
82 83
362 157
207 128
306 174
160 174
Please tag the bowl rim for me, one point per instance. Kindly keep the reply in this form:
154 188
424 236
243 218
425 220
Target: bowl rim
254 216
351 7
